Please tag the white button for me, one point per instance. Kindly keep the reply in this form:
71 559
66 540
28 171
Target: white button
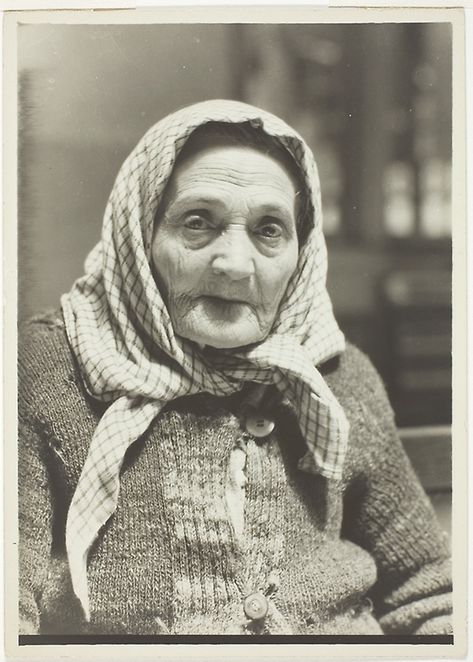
255 606
259 426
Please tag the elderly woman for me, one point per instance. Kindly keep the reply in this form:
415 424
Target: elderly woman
200 452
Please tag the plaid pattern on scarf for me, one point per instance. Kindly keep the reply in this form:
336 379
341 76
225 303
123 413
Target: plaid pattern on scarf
123 339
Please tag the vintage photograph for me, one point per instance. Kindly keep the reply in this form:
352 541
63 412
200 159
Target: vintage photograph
235 332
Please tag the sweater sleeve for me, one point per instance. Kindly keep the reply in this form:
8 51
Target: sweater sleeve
388 513
34 489
35 520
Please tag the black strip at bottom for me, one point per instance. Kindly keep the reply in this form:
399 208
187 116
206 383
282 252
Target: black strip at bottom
53 639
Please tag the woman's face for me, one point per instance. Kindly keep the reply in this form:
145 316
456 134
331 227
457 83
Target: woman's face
225 244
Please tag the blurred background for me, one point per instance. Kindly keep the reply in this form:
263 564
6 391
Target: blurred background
372 100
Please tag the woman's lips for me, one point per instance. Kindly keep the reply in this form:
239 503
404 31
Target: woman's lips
223 300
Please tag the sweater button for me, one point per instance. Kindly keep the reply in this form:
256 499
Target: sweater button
259 426
255 606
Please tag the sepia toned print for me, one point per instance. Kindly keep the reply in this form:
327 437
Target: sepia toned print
234 406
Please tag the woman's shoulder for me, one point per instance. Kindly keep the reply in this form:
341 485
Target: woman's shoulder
42 345
352 372
47 373
46 322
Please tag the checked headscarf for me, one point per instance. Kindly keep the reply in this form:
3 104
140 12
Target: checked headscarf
130 357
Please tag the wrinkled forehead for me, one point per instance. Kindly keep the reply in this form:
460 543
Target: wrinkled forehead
214 137
218 135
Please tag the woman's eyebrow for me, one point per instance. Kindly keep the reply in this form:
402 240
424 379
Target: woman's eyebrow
275 208
196 201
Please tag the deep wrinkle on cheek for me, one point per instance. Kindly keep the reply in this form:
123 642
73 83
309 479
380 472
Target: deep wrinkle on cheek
171 259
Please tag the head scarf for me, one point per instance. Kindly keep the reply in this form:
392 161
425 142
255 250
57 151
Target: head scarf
122 336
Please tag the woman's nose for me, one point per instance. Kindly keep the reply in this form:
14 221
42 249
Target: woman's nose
233 254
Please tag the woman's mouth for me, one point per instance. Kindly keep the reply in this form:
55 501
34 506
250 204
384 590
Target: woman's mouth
223 300
225 308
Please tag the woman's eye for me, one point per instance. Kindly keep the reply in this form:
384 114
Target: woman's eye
271 230
197 223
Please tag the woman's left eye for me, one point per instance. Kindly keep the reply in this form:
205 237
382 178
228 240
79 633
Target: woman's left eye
269 229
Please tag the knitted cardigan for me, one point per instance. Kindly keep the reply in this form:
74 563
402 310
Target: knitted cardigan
363 556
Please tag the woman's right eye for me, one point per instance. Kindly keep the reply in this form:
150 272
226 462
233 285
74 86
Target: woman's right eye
197 222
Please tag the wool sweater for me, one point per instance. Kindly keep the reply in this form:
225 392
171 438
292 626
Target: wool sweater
361 556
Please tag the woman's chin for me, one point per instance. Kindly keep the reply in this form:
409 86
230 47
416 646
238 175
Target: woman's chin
224 336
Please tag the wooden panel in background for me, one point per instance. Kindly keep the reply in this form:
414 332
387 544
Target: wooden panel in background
430 451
